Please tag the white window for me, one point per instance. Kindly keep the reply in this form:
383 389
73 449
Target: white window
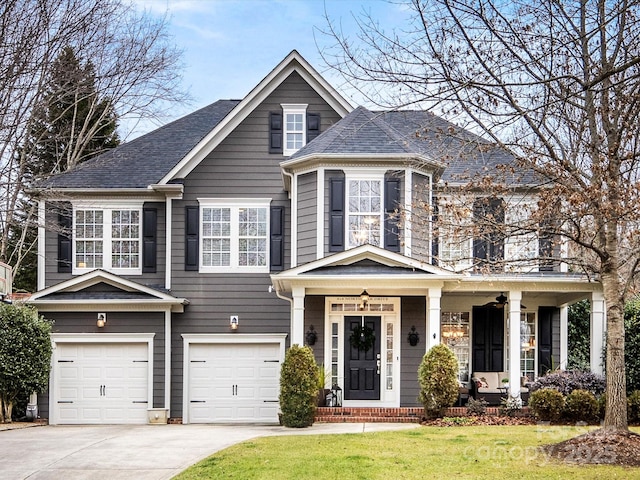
364 211
455 242
234 235
108 238
521 248
295 125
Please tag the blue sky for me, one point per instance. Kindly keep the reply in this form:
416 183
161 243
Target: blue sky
230 45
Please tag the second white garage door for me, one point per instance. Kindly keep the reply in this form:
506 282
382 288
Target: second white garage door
234 383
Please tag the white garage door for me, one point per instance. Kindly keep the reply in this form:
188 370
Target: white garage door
234 383
101 383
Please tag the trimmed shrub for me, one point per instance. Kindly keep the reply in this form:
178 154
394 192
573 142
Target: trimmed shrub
633 409
298 387
602 406
438 379
566 382
632 345
580 405
546 404
476 407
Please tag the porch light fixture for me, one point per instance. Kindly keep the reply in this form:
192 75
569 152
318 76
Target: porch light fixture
364 299
336 396
233 322
413 338
311 336
102 319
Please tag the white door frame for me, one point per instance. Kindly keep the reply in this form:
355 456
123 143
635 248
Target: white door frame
220 338
388 398
95 338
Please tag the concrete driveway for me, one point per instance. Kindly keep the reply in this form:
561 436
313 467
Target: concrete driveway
141 452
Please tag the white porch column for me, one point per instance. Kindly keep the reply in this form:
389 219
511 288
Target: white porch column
596 344
514 343
433 317
297 316
564 336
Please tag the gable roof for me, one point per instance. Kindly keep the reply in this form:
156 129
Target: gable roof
99 289
172 151
365 263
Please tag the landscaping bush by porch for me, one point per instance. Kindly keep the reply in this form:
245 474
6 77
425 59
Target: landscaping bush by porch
546 404
298 387
438 379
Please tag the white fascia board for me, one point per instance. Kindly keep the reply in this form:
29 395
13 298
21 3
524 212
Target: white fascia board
250 103
358 159
97 276
115 305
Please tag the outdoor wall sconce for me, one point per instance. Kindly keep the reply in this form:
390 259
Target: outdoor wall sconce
102 319
414 337
233 322
364 299
336 396
311 336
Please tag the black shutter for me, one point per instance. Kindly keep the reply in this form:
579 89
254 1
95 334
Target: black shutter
488 248
391 220
276 248
336 213
192 229
149 239
275 132
65 262
313 126
546 316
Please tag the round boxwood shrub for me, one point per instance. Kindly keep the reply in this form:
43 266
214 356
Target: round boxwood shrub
438 379
580 405
298 387
633 410
546 404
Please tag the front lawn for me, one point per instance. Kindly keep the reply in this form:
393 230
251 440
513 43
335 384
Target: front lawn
427 452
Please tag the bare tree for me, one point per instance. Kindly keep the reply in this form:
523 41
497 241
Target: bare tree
556 84
136 67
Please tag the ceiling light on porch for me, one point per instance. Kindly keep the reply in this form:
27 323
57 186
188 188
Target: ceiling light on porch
364 299
102 319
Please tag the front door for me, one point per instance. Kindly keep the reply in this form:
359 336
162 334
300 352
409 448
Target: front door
362 358
488 339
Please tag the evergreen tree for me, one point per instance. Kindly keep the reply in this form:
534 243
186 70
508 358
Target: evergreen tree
71 125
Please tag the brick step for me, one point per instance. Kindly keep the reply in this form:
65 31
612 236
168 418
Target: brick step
356 419
369 414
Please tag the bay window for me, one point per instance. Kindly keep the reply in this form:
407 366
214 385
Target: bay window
364 215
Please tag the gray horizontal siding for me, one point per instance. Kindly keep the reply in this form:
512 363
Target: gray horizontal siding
314 315
413 314
421 218
307 215
117 322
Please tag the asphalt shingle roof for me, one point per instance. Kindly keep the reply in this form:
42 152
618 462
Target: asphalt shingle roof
146 159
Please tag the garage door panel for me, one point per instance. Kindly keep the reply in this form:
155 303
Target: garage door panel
103 381
240 379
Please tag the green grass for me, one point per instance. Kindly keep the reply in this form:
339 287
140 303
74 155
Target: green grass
490 452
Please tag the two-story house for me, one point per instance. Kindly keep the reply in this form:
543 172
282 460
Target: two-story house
179 267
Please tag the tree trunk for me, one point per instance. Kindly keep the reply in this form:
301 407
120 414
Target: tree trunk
6 409
615 418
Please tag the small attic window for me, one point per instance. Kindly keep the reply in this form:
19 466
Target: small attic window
295 126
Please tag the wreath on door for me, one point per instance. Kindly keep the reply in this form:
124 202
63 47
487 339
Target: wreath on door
362 338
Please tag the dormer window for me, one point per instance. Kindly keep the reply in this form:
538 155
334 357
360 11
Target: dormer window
295 126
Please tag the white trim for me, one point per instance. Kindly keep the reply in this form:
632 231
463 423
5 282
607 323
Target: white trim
107 208
234 205
219 338
293 109
408 209
167 361
41 282
564 337
168 231
294 219
88 338
320 214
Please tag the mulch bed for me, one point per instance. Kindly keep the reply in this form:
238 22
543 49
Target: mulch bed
598 447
